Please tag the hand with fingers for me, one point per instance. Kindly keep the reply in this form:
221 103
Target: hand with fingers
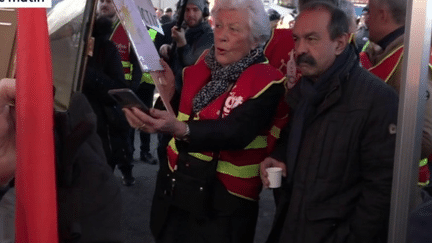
157 122
178 35
7 130
268 163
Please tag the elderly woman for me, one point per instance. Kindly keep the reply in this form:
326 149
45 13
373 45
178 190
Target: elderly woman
208 189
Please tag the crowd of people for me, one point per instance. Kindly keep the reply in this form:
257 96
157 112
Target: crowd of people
318 100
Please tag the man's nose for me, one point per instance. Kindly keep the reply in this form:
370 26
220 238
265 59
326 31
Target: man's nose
300 47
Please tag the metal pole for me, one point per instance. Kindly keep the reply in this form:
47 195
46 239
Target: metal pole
410 117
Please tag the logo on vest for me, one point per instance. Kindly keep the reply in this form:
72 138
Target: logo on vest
121 48
231 103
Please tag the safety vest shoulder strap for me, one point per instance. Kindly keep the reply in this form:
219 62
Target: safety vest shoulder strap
386 67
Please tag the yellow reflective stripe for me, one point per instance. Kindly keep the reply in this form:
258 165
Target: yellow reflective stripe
182 116
152 34
245 171
201 156
423 162
238 195
365 46
430 66
275 131
268 86
115 26
423 183
258 142
172 145
128 76
126 64
394 68
146 78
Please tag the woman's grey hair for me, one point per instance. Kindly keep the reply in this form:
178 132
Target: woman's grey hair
258 18
397 9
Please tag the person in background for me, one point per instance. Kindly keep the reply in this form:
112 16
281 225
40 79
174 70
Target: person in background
118 149
139 82
221 133
362 33
169 12
337 150
274 18
159 13
383 56
191 41
349 10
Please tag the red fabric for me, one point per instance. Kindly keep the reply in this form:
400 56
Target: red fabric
36 207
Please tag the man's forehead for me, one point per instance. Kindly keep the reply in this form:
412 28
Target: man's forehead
312 21
192 6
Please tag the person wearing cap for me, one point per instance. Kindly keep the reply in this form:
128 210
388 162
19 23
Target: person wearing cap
274 17
190 41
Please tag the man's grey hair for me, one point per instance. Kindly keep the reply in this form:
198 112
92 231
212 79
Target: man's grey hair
258 18
396 7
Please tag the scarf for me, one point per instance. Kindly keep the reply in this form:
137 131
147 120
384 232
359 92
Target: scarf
312 94
222 77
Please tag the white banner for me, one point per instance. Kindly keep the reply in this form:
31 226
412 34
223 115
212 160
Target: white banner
148 14
25 3
138 35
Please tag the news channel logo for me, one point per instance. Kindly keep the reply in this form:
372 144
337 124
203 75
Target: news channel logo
25 3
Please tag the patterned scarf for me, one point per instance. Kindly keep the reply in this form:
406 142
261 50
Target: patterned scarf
222 77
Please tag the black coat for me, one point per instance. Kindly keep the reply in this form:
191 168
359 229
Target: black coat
342 180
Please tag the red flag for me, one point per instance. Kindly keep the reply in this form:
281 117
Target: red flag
36 207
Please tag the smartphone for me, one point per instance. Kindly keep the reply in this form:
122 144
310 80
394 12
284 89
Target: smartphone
128 99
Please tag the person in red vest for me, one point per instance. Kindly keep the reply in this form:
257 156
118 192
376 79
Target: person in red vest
384 54
208 188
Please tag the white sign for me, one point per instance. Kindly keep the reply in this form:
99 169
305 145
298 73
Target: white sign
145 50
25 3
148 14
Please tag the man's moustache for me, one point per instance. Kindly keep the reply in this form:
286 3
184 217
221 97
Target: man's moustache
303 58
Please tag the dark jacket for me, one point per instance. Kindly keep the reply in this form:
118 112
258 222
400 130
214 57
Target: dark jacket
342 180
198 39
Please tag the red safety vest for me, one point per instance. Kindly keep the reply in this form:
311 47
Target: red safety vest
279 50
386 67
237 170
121 40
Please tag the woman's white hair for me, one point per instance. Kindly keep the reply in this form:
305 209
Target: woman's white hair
258 18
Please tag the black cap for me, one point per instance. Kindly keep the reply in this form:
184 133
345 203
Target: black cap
273 14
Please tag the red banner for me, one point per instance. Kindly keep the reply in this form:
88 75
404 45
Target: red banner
36 207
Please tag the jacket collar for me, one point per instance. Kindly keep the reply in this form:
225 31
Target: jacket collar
350 60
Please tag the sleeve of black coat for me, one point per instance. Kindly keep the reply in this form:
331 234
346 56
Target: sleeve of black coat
238 129
377 147
188 54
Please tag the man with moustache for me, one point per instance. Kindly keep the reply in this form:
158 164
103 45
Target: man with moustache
337 150
191 41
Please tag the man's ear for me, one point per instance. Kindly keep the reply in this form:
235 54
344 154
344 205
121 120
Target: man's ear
341 43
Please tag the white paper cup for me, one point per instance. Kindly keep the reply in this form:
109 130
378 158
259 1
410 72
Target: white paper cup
274 176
